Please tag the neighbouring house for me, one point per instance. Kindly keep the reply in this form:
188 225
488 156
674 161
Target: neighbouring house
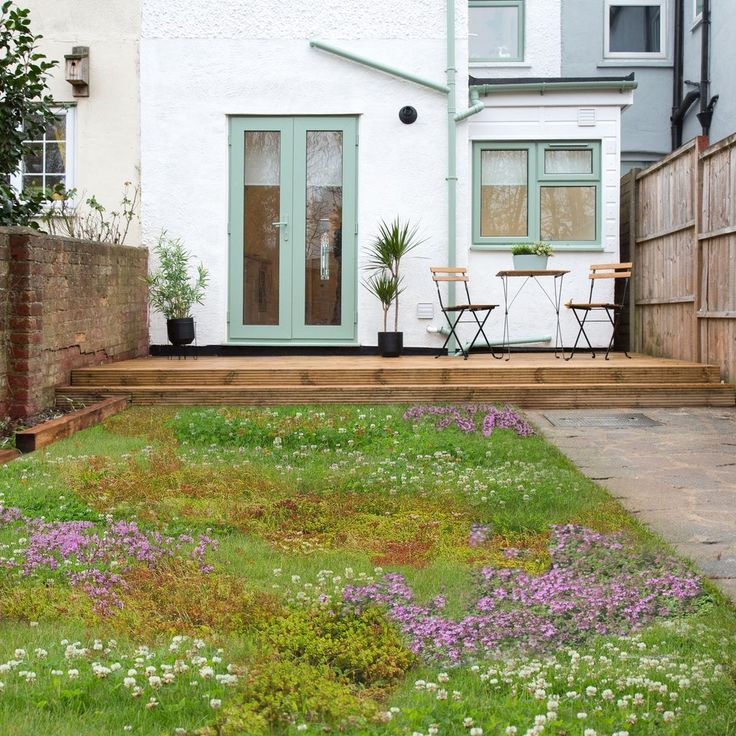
95 144
271 141
681 56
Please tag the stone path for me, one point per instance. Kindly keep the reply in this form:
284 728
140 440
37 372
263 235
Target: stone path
679 477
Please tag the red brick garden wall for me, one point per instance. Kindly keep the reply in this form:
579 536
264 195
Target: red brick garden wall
64 304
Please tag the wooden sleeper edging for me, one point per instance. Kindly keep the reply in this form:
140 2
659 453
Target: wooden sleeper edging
56 429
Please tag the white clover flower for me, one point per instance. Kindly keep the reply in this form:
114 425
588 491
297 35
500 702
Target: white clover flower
467 722
215 703
476 731
19 653
129 682
582 715
127 728
607 694
72 674
540 694
169 678
443 677
668 716
590 732
115 667
155 682
420 685
540 720
150 670
206 673
457 695
590 691
40 653
152 703
57 673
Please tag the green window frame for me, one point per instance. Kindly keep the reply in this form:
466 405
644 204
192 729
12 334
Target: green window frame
540 180
499 56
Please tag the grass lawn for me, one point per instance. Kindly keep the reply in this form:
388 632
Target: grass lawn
358 570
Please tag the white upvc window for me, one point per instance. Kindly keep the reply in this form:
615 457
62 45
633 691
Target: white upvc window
635 29
496 30
50 159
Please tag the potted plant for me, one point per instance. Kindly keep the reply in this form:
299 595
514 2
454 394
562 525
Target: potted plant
531 256
172 291
393 242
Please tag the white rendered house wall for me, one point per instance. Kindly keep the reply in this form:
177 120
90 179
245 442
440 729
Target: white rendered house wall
202 62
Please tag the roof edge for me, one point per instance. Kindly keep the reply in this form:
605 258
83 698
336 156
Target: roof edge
552 84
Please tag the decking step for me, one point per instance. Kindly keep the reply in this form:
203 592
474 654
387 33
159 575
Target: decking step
497 373
531 395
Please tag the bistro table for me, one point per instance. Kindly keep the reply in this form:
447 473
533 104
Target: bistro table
554 297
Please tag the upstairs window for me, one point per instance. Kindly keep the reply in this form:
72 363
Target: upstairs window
496 30
635 29
697 10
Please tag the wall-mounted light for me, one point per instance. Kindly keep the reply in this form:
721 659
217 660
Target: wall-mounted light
76 68
408 115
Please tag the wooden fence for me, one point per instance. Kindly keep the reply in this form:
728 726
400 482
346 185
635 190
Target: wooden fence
678 225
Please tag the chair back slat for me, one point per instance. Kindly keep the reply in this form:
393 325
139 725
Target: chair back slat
611 275
449 273
610 271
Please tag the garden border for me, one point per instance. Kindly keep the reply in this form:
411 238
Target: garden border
49 432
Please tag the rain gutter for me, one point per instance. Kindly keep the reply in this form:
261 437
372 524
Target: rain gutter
622 85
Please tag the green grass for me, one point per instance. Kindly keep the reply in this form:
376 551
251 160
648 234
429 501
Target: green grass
288 493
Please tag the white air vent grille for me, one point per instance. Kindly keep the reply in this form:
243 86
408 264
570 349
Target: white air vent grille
586 116
425 310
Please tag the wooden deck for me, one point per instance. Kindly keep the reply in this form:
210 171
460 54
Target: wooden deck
532 380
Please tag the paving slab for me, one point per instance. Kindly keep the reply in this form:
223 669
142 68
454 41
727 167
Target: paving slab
678 476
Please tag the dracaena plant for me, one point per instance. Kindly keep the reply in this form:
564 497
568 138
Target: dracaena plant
172 289
392 243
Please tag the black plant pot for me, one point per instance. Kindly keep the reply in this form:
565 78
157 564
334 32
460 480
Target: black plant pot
180 331
390 344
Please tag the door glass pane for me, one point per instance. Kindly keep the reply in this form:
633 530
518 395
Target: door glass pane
503 194
567 213
494 33
568 162
261 238
635 29
323 220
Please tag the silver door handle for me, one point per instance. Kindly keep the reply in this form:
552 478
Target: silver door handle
285 225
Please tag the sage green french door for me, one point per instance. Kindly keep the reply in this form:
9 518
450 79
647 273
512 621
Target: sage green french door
292 229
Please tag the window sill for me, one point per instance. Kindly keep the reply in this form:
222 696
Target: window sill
506 247
499 65
655 63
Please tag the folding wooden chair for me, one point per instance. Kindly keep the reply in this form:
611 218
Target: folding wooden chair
583 310
454 314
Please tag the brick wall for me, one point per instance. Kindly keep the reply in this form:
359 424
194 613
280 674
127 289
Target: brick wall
64 304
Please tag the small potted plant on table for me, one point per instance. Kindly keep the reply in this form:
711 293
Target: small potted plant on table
393 242
531 256
173 291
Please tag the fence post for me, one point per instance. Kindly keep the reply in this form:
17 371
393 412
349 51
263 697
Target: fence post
699 288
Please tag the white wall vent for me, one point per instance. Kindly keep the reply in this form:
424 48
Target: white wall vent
586 116
425 310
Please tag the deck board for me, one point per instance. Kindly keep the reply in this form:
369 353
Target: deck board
532 380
